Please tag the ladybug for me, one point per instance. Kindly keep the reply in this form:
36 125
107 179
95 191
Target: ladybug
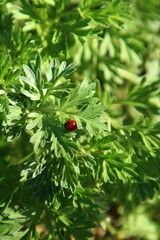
71 125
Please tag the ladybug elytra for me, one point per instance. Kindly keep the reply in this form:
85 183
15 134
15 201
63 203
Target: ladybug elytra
71 125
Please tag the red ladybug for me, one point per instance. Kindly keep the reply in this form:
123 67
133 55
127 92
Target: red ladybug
71 125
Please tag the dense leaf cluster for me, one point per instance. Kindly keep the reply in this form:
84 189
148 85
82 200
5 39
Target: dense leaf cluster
91 62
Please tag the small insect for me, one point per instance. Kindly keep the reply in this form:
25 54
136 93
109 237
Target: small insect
71 125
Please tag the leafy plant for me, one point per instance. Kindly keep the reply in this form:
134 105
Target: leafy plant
89 62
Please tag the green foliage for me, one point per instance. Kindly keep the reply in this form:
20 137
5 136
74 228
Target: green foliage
94 62
61 23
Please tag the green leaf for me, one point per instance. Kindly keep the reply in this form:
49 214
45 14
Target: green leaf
29 82
61 67
105 175
65 71
93 117
65 220
5 66
29 73
107 139
36 139
33 96
11 222
36 122
69 176
79 95
12 77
